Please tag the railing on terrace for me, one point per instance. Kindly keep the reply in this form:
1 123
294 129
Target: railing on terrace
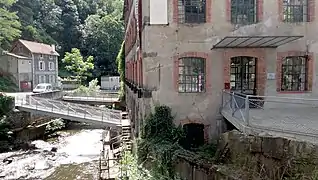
71 109
283 114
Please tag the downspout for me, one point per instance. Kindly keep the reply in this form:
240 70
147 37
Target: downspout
32 71
19 82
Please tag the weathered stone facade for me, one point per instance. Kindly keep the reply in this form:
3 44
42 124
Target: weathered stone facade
152 53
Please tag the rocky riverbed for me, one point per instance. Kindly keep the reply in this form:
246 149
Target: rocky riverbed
73 155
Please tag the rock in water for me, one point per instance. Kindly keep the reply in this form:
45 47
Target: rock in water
42 165
54 149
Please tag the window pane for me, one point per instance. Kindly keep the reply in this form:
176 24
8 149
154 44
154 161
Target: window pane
294 74
295 10
243 12
191 74
191 11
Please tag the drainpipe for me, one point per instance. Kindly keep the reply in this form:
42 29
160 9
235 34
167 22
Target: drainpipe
32 71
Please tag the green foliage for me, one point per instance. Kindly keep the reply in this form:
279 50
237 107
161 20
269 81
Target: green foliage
75 63
120 61
103 36
9 23
7 84
93 26
160 143
55 125
6 105
91 90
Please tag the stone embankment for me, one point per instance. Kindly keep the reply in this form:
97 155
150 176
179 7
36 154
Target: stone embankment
241 157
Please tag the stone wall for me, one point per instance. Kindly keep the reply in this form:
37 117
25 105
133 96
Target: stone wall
254 157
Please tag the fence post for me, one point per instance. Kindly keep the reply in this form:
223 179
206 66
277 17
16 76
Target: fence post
247 110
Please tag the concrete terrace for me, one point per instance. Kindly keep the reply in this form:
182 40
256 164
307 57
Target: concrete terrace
287 117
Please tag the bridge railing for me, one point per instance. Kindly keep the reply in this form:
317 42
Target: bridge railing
66 108
109 96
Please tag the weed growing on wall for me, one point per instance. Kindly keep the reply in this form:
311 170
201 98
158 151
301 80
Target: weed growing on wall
159 144
120 61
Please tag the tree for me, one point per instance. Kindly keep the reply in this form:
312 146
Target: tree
76 64
103 36
9 23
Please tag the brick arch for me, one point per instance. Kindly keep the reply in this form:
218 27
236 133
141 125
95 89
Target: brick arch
208 11
260 10
208 62
197 121
310 65
260 66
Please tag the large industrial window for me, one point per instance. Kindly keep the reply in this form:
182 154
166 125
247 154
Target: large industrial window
294 74
243 11
191 74
192 11
295 10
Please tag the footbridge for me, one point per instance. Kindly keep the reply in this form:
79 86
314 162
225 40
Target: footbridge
77 112
289 117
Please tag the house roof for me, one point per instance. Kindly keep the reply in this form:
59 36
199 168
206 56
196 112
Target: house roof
40 48
17 56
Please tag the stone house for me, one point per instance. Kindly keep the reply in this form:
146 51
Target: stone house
19 67
184 53
44 61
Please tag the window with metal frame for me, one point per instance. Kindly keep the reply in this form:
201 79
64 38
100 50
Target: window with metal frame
191 75
192 11
294 74
243 74
295 10
244 12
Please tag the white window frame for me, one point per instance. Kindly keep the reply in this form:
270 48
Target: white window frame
51 66
50 57
41 56
43 66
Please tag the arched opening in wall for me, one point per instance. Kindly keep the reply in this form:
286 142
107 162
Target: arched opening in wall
243 75
194 135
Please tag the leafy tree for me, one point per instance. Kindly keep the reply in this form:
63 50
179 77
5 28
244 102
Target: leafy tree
76 64
102 39
9 23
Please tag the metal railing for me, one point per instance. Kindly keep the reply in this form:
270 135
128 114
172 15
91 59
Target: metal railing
70 109
109 97
280 113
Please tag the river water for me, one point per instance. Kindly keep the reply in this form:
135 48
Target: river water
76 158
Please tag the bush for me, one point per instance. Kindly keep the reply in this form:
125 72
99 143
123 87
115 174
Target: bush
7 84
91 90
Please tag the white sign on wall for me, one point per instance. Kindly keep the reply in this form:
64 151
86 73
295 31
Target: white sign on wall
271 76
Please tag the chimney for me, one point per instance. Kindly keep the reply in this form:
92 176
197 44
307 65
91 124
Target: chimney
53 47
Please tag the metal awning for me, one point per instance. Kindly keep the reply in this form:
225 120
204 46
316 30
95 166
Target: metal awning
254 41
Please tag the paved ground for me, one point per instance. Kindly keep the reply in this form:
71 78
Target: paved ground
298 123
303 120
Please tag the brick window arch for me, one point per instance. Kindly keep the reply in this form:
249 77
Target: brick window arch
244 12
294 71
192 72
296 11
192 11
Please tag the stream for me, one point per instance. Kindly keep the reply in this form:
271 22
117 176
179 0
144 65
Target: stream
76 157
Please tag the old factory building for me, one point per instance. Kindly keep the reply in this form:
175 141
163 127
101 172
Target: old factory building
185 53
